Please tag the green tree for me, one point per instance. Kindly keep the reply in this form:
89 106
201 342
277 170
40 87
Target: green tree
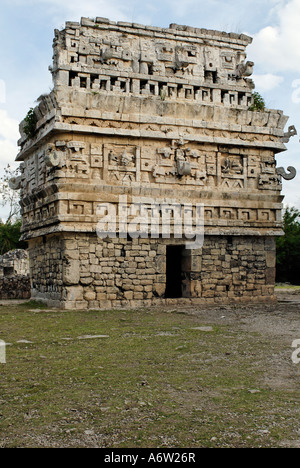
288 248
10 234
10 230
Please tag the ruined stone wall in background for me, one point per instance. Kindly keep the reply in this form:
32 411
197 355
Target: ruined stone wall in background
15 287
14 275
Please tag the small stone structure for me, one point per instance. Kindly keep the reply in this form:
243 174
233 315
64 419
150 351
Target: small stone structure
14 275
142 113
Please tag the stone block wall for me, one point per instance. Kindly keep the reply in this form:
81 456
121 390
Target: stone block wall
82 271
234 268
46 268
15 287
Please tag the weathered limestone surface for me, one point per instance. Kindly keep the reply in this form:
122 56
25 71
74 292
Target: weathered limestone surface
14 262
14 275
146 112
114 272
15 287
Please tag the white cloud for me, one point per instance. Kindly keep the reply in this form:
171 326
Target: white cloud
2 92
267 82
9 128
277 47
8 153
9 135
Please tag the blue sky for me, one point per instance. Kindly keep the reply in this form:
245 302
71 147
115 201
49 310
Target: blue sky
27 30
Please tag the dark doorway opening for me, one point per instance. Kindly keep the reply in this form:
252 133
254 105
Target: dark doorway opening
174 271
8 271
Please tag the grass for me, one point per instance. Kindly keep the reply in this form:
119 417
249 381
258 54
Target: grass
153 382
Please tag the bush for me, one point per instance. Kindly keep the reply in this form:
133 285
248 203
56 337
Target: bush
30 124
258 103
10 234
288 248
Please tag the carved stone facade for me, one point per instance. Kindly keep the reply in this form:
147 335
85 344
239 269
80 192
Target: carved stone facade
150 113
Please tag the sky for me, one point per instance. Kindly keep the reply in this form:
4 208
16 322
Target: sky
27 31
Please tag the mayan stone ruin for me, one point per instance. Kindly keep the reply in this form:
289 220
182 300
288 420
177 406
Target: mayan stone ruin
14 275
141 113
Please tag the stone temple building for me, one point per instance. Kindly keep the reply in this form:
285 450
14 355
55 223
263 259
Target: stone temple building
150 117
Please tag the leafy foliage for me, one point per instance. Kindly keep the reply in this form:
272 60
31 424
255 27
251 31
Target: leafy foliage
10 234
258 103
288 248
30 124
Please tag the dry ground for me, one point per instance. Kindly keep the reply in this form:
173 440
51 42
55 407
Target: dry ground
184 378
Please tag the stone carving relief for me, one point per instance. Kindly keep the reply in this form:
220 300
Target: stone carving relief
290 133
113 52
67 156
15 183
53 156
232 171
292 173
231 215
244 69
121 163
269 182
232 166
178 163
76 162
268 165
40 214
227 60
